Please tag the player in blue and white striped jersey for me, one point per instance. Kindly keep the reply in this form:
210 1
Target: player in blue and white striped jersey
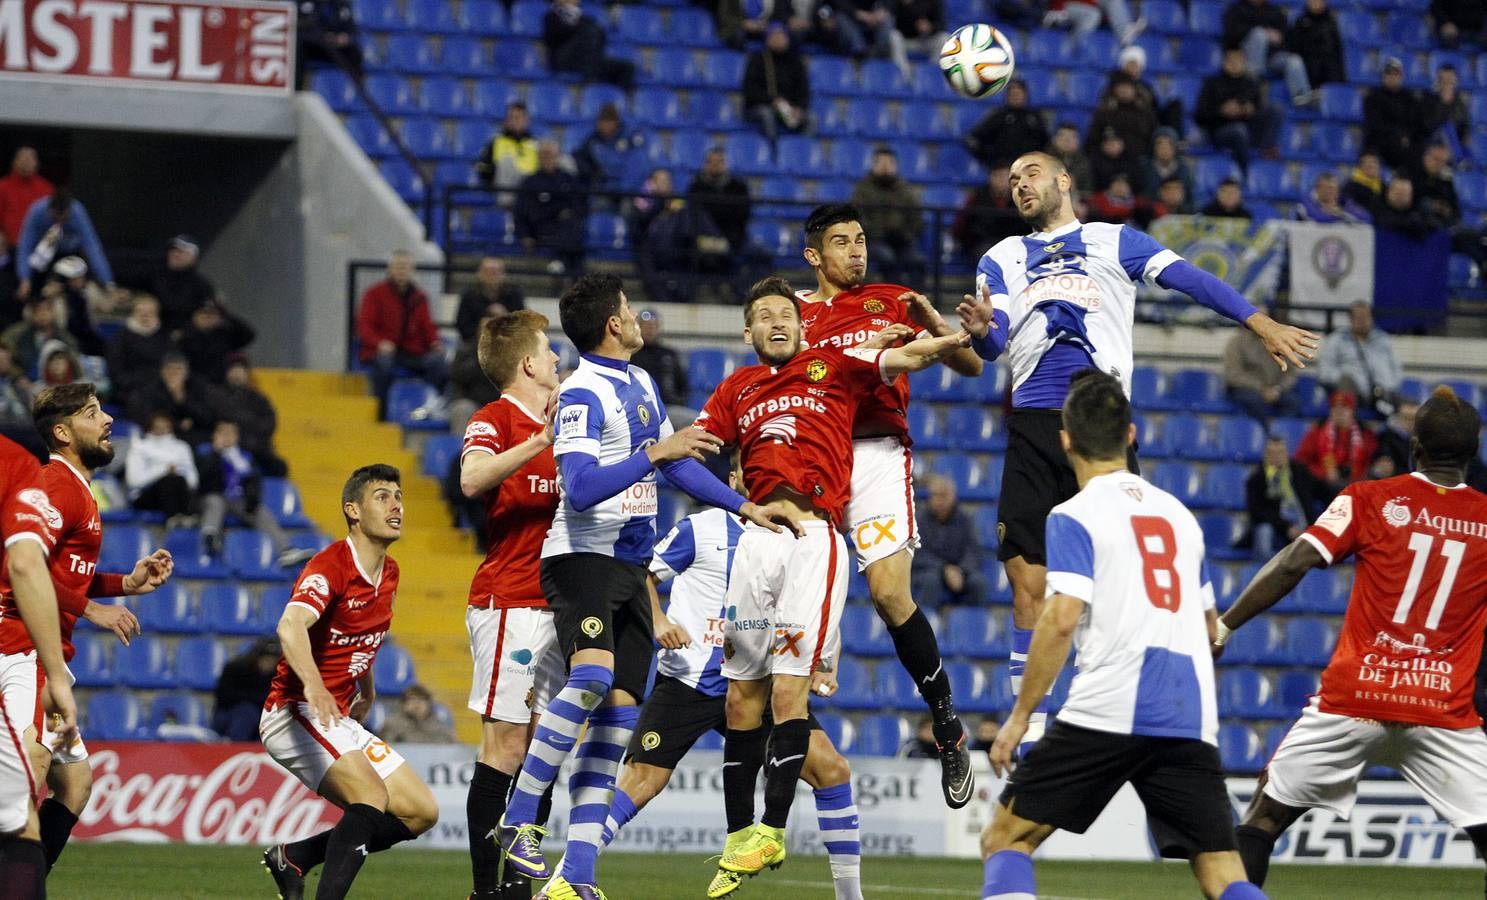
688 698
1056 301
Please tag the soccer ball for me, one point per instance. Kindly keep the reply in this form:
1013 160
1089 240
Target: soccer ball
977 61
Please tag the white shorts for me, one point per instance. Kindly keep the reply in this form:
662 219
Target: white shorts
18 682
1321 758
517 667
297 742
784 602
17 781
880 514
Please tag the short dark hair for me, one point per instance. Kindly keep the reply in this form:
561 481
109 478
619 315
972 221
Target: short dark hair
1447 428
586 307
60 204
885 150
1097 416
825 216
772 286
61 401
517 104
1231 180
356 485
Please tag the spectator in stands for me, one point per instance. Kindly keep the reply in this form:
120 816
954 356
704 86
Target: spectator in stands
1232 110
1401 213
1083 17
1125 112
1445 117
1435 189
490 294
1359 361
576 42
610 158
1458 21
1132 61
1258 28
1253 381
777 85
1111 158
59 365
1391 117
1393 454
160 472
987 216
985 734
19 191
240 401
739 23
177 282
1004 134
10 310
1365 187
668 367
38 327
135 351
856 28
178 394
16 392
921 24
212 337
643 208
1173 197
1315 36
396 330
725 198
327 33
231 482
1337 451
947 565
69 284
1065 148
415 721
1277 500
511 154
1326 205
241 689
1228 202
892 217
1118 204
552 212
922 745
469 389
55 227
1165 162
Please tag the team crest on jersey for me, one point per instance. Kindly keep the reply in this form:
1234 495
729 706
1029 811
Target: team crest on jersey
1132 490
1054 247
37 499
644 412
592 626
531 696
477 428
650 740
816 370
728 646
316 584
1396 513
873 306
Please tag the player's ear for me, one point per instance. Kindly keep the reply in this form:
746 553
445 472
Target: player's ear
1130 434
1063 441
812 257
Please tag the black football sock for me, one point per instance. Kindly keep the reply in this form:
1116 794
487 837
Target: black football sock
22 869
1255 847
787 749
57 822
919 653
390 832
308 853
350 844
484 805
743 757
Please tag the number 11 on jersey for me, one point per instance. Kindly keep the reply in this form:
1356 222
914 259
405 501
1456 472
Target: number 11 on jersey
1420 546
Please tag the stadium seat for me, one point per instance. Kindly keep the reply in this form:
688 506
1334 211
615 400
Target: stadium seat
854 686
199 660
426 137
715 111
1290 430
230 609
370 135
1272 179
1321 592
1342 102
864 634
1409 29
553 102
975 430
1471 187
176 707
338 90
881 78
1240 439
1336 143
393 670
972 480
272 601
123 545
379 15
708 366
895 688
1254 644
640 24
1179 479
439 454
410 52
1246 693
711 741
491 99
606 237
1209 171
926 429
1294 689
1149 440
674 67
464 56
1240 748
1223 487
985 520
1220 531
881 735
115 716
838 728
90 665
392 93
1165 16
656 107
1146 388
749 154
445 97
693 27
526 17
519 59
408 405
188 548
251 555
168 610
722 69
1308 642
1187 437
975 632
402 179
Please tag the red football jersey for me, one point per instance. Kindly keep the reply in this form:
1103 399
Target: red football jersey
355 611
74 561
517 513
847 320
793 424
1412 634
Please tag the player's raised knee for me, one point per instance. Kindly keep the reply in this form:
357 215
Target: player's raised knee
824 765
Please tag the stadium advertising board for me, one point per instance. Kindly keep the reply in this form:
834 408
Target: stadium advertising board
239 46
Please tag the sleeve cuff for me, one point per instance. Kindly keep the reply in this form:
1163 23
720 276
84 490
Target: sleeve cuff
1158 264
1316 542
26 536
468 450
303 605
1080 587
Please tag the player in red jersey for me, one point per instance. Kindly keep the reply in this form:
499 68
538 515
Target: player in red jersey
791 419
28 527
337 617
77 432
1398 690
507 459
844 312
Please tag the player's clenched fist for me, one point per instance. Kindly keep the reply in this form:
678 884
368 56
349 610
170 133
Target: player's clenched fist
671 635
689 442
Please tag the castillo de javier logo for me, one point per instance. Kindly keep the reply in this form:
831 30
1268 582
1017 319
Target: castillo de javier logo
816 370
1396 513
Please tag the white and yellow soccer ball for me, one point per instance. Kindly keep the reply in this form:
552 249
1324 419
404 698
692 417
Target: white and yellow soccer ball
977 61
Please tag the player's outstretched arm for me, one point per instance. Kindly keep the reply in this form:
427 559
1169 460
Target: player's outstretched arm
294 637
964 360
1288 345
1275 580
1052 638
922 354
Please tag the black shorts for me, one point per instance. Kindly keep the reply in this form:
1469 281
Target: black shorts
1070 776
1035 478
674 718
599 602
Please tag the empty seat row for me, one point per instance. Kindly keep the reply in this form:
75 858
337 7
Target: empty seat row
222 607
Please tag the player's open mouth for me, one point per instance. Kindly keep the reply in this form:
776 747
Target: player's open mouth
779 338
396 522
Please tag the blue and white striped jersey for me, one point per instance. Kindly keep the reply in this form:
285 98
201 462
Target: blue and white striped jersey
1135 556
1070 298
608 410
698 553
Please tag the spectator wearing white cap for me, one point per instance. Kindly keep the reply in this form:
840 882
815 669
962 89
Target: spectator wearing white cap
69 282
176 282
1132 61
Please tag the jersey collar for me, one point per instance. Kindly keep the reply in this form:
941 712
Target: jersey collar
1050 235
1444 487
615 366
523 407
73 469
356 561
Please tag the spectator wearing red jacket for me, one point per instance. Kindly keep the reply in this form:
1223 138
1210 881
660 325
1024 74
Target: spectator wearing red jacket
1338 451
397 332
18 190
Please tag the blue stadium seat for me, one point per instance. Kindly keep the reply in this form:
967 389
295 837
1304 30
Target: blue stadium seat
1165 16
640 24
145 663
985 520
426 138
1240 439
230 609
1321 592
606 236
90 665
434 16
708 366
115 716
408 402
251 555
1409 29
714 111
178 707
722 69
1146 388
1336 143
199 660
710 741
854 686
1290 430
1179 479
445 97
1223 487
484 18
1188 437
1308 642
402 179
1220 531
972 480
1149 441
283 500
393 670
1045 47
370 135
939 384
1363 29
1246 693
1342 102
656 107
975 632
779 239
850 159
675 67
526 17
864 634
1272 179
1197 390
1240 748
409 52
976 431
833 75
1209 171
926 428
439 454
881 78
1471 187
1206 19
272 601
169 610
693 27
491 99
552 102
838 728
393 93
123 545
973 689
1294 688
519 59
881 735
338 90
895 688
594 97
749 153
379 15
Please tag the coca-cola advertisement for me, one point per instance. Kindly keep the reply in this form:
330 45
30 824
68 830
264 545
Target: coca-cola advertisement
197 794
224 45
